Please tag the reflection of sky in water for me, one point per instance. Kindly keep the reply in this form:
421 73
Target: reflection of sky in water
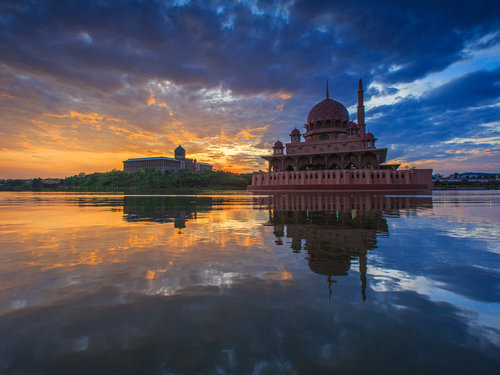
249 284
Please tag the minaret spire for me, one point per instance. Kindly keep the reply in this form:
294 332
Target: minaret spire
361 107
327 95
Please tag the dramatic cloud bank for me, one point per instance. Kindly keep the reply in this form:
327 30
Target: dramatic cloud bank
87 84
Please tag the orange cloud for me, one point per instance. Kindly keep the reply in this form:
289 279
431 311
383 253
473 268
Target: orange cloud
130 135
284 95
92 118
151 100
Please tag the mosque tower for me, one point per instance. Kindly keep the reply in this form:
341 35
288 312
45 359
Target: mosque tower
361 108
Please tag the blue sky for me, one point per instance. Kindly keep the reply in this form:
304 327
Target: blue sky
87 84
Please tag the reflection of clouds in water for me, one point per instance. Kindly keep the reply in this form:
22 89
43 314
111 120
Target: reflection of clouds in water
455 252
471 216
420 244
203 286
488 232
139 256
482 314
255 324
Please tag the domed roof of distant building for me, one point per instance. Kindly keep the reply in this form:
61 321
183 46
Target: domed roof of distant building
369 135
278 144
328 109
295 131
179 150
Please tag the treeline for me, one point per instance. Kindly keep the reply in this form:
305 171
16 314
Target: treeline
466 184
142 180
15 185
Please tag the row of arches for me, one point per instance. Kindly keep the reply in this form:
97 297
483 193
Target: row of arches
326 124
335 136
318 162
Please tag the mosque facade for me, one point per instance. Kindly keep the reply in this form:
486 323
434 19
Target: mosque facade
335 154
161 163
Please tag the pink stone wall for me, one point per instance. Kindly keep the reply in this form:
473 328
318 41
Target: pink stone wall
361 179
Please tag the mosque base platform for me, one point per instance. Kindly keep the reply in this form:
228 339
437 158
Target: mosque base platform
340 188
361 180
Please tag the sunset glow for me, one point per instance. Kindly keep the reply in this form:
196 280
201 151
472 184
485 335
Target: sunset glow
81 92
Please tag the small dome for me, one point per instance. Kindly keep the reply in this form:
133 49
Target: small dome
278 144
328 109
180 150
352 125
369 135
295 131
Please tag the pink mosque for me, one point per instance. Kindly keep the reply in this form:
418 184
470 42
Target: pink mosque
336 154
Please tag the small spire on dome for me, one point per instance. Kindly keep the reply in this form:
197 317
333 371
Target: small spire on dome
327 95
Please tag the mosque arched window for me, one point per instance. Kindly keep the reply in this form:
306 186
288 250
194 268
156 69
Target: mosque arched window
319 125
328 124
311 126
324 137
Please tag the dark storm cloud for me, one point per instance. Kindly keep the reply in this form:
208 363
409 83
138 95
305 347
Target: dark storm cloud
471 90
453 110
418 37
247 48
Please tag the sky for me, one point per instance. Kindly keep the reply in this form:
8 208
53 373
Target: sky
85 85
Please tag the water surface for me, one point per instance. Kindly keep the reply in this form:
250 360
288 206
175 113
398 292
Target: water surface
242 284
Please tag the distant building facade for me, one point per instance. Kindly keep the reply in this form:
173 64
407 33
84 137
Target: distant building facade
162 163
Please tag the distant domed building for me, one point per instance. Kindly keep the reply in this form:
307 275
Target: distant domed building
180 153
337 154
161 163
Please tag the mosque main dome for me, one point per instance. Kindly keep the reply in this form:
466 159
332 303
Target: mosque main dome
328 109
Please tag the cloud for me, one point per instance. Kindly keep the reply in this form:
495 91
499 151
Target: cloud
202 69
470 90
444 122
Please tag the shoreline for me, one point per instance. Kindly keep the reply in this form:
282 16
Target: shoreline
465 187
214 190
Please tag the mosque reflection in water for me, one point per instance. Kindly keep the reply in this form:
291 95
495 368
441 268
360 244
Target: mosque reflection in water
337 231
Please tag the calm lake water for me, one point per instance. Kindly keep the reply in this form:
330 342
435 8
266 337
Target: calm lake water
241 284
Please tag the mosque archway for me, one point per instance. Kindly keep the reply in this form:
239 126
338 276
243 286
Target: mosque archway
369 161
318 162
351 162
334 162
275 165
302 163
